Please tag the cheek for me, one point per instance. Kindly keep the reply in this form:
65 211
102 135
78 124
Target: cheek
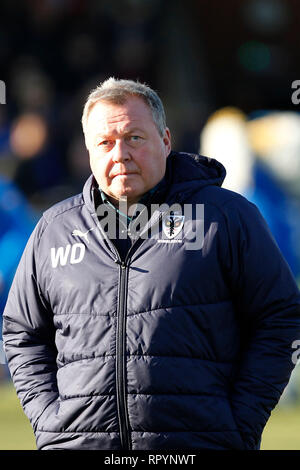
155 166
152 160
99 165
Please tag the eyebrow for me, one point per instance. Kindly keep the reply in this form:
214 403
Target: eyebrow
130 131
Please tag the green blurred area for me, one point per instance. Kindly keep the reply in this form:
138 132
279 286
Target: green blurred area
15 430
281 433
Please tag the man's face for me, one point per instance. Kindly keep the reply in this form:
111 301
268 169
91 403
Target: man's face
127 154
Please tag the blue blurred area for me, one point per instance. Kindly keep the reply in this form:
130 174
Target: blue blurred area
17 222
281 211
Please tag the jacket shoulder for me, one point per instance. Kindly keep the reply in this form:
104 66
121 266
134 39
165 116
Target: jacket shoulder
61 207
224 198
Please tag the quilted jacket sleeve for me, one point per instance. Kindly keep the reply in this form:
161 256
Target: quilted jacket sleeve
28 335
268 310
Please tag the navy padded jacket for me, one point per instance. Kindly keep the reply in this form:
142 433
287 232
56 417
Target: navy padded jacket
172 349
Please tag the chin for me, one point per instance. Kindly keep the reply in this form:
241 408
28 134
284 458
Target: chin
129 195
128 192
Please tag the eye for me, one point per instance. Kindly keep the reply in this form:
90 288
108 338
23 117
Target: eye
135 139
105 144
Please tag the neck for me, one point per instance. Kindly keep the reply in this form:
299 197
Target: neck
125 205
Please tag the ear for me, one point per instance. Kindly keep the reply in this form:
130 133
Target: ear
167 141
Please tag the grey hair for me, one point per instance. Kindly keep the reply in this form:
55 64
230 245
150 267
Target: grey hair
117 91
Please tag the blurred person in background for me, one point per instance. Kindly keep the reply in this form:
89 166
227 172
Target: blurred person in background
35 136
227 137
275 140
144 337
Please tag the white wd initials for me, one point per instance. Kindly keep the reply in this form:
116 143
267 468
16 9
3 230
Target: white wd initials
61 255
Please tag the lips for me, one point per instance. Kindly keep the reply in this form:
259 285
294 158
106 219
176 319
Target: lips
124 173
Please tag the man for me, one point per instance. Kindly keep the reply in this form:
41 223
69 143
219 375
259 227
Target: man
125 328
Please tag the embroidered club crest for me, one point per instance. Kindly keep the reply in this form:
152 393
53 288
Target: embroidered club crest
173 224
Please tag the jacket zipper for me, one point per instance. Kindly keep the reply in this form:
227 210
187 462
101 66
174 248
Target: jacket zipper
121 365
121 360
121 347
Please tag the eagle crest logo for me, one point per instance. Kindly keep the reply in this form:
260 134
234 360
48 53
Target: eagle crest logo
173 224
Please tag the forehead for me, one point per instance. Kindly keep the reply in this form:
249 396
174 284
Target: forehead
106 116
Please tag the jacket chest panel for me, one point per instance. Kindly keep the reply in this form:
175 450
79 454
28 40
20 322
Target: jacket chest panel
169 274
81 278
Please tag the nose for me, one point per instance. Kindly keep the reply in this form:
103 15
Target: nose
121 152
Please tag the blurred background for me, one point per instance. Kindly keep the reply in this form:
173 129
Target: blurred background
227 73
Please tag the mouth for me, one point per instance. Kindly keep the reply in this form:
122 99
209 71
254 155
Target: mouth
124 173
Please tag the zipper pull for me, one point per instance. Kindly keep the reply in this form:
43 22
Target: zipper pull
121 263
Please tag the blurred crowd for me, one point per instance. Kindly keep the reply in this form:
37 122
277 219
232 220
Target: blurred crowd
56 51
